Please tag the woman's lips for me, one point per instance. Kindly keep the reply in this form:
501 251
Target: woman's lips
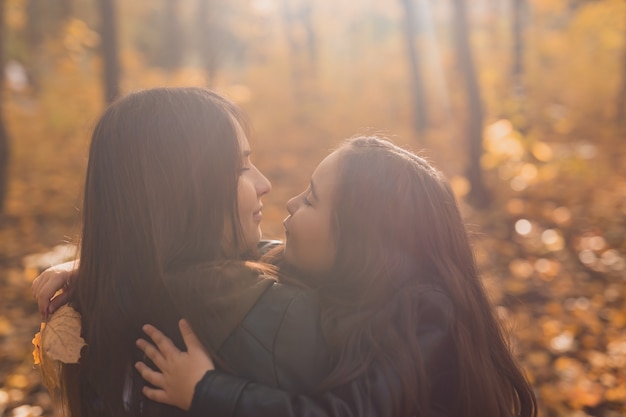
257 216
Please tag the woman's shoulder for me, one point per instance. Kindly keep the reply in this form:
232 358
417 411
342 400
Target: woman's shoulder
280 341
279 306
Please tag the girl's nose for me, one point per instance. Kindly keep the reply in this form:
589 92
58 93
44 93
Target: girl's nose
292 205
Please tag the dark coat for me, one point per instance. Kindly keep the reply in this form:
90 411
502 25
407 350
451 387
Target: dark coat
280 356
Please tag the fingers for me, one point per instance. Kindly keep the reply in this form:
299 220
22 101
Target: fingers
34 287
150 375
58 301
152 353
46 285
163 343
189 337
157 395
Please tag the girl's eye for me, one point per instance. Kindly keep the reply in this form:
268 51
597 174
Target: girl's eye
307 202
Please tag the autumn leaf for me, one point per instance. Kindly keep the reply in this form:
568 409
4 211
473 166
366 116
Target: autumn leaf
61 338
37 355
58 341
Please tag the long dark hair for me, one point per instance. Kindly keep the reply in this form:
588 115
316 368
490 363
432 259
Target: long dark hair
398 229
161 182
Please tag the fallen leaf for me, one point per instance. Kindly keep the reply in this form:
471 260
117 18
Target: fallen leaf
37 345
61 338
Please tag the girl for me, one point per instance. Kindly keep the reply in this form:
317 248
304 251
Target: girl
410 329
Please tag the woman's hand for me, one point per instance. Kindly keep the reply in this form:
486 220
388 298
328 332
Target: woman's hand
56 280
180 371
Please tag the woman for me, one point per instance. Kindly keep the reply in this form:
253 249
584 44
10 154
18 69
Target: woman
411 331
172 204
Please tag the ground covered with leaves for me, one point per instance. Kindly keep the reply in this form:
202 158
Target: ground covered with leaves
551 250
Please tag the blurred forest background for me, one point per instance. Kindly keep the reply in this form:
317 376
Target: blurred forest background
520 102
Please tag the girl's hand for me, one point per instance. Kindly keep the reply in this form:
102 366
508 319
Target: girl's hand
54 280
180 371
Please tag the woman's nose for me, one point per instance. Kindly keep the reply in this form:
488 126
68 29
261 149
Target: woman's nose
263 185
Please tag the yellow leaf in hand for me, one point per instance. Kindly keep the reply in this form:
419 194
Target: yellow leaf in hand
61 338
37 345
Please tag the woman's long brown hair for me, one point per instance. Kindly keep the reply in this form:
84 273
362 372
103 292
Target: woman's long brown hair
161 180
398 228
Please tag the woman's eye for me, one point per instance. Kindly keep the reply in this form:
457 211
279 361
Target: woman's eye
307 202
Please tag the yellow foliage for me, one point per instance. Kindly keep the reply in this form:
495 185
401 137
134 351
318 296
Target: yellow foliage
58 341
60 338
37 353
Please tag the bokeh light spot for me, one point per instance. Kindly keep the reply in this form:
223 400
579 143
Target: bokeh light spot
523 227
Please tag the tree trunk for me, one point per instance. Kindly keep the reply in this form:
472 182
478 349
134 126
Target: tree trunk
108 35
33 34
66 8
311 39
4 140
301 39
289 22
420 112
517 69
479 195
34 29
172 46
205 37
621 98
43 18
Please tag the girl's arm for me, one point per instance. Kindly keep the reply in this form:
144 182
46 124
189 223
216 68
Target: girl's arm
371 395
53 287
188 380
180 371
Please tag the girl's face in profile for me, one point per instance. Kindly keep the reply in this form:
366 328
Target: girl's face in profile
310 241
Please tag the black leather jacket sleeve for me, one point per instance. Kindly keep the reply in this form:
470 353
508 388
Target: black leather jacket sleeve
222 395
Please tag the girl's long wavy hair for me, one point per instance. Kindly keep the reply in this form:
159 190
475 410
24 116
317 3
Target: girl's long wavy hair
398 228
161 183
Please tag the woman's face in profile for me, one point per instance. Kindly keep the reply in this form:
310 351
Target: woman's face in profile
251 186
310 244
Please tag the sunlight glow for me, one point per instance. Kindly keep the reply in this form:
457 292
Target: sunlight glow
587 257
528 172
521 268
562 215
523 227
519 183
27 411
587 150
516 206
460 185
547 267
542 151
265 7
563 342
552 239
